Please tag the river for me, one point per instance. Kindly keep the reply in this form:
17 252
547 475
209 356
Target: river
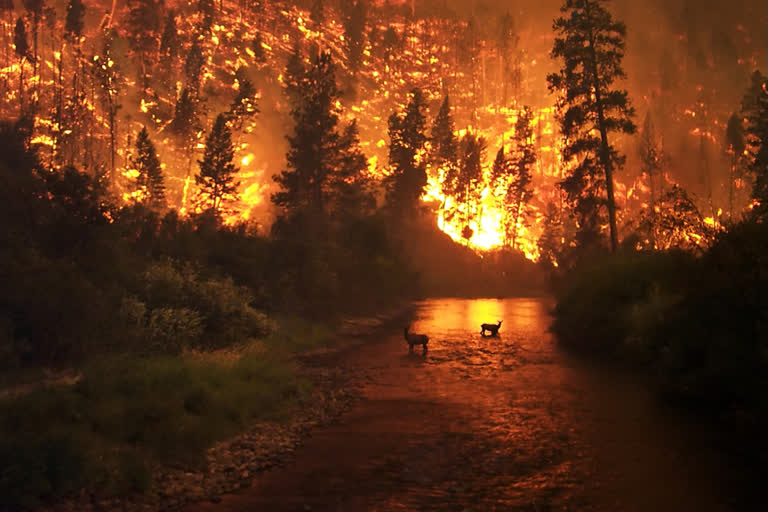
507 423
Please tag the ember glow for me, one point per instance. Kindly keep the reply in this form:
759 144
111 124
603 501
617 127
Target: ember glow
90 99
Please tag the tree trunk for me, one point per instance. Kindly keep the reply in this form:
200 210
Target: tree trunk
605 156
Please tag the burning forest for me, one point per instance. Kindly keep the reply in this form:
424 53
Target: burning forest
92 77
199 194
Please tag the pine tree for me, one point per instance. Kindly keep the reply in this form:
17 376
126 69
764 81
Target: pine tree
73 26
193 67
317 14
406 157
150 179
349 186
35 8
735 146
216 178
314 145
107 74
519 191
244 105
22 52
591 45
651 159
468 183
207 10
169 41
550 242
445 148
354 14
295 74
259 55
755 108
145 21
186 124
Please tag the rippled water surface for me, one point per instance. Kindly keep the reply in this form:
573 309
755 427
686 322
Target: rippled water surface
493 424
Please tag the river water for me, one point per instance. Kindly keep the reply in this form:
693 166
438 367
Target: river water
507 423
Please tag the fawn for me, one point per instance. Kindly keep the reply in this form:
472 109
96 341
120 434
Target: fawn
492 328
416 339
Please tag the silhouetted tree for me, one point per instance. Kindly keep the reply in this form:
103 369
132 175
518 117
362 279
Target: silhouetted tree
295 73
144 23
244 105
73 25
150 181
259 55
354 14
314 144
35 8
106 72
651 159
735 146
193 67
207 10
406 157
468 183
445 147
755 108
519 192
170 45
22 52
591 44
216 178
186 124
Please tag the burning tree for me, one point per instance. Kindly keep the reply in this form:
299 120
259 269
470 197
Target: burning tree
150 184
216 178
591 45
516 176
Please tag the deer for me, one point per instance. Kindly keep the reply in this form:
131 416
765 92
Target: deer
492 328
416 339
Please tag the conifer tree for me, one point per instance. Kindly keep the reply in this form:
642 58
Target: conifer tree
22 52
169 42
244 105
591 45
468 183
518 192
207 9
354 14
294 76
150 180
35 8
107 74
216 178
193 67
186 124
445 147
550 243
755 108
349 186
443 138
144 24
259 55
406 157
314 144
735 146
73 25
651 159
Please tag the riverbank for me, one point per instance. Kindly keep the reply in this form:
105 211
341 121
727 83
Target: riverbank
258 403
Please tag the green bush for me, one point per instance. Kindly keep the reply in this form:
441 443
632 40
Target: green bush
601 305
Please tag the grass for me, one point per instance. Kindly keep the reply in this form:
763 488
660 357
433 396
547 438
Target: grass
126 414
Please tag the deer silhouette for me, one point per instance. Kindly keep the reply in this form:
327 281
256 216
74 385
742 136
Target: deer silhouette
493 329
416 339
